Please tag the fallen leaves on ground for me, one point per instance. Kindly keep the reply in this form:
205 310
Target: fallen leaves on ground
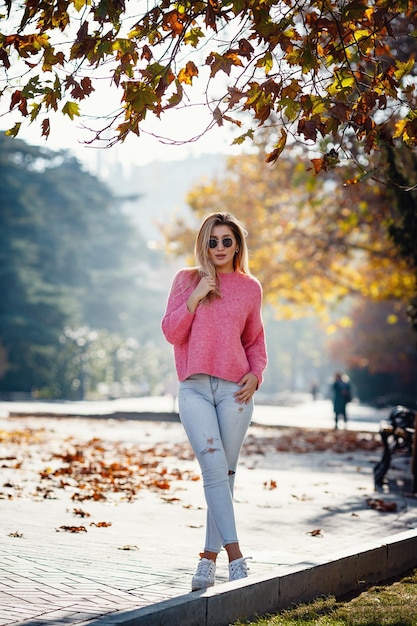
99 470
385 506
303 441
72 529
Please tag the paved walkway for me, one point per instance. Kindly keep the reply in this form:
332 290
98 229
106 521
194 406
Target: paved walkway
140 546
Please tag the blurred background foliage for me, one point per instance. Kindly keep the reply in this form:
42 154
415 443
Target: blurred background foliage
83 292
76 297
331 250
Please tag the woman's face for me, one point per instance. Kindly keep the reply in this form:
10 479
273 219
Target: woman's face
223 254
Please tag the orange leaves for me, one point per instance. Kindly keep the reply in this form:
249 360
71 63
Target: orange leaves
187 73
26 45
173 21
327 162
93 471
98 472
343 55
270 485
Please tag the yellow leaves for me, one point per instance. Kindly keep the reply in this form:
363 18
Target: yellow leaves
404 69
331 329
80 4
345 322
343 82
406 129
392 319
187 73
311 244
193 36
71 109
266 62
273 156
139 97
50 59
13 132
343 51
27 45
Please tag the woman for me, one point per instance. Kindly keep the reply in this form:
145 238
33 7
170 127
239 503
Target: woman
213 319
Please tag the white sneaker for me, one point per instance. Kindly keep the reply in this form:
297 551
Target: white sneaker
204 576
238 568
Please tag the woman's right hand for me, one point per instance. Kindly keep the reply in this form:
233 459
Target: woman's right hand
205 286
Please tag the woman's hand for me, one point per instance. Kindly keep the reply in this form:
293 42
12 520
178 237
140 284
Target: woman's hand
248 385
205 285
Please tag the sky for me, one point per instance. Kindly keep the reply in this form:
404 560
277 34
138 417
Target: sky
182 125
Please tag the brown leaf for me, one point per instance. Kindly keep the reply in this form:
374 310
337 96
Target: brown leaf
81 513
72 529
384 506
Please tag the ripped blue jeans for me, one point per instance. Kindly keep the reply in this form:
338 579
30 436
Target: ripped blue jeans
216 426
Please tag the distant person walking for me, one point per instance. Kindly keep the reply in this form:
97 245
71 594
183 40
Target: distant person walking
213 319
341 397
314 389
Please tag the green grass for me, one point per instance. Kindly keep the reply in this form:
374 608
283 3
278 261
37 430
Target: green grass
385 605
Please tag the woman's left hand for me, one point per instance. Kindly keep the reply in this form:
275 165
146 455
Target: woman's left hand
248 385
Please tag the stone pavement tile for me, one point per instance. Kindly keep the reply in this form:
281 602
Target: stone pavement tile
281 498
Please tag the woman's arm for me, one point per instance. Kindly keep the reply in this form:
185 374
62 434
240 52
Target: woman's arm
253 339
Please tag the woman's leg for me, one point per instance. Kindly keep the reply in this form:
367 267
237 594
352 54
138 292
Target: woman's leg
233 420
215 425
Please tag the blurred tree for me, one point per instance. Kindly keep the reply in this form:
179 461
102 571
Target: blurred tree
378 347
332 69
402 170
68 257
312 243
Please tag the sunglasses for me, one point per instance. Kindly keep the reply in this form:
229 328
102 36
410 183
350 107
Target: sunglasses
226 241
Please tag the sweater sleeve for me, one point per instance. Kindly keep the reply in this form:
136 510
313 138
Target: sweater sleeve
177 320
253 339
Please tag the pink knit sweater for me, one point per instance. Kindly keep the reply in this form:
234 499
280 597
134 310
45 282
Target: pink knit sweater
223 337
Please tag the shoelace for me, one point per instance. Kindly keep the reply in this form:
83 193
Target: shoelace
239 568
204 567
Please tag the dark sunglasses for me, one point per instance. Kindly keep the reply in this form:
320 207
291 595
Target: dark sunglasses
226 241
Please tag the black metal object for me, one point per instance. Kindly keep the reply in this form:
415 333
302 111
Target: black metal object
397 436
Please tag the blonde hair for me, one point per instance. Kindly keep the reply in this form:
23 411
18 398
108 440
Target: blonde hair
201 247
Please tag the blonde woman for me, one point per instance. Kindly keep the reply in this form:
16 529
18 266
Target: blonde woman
213 319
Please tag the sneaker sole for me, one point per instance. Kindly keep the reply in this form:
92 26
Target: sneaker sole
197 587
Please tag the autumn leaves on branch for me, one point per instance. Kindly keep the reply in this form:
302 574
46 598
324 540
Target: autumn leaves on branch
312 70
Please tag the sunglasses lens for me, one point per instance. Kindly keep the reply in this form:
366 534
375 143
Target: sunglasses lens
227 243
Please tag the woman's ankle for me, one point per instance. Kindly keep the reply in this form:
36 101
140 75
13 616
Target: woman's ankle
233 551
212 556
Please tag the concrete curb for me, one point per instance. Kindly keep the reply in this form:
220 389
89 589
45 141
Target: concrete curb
338 574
